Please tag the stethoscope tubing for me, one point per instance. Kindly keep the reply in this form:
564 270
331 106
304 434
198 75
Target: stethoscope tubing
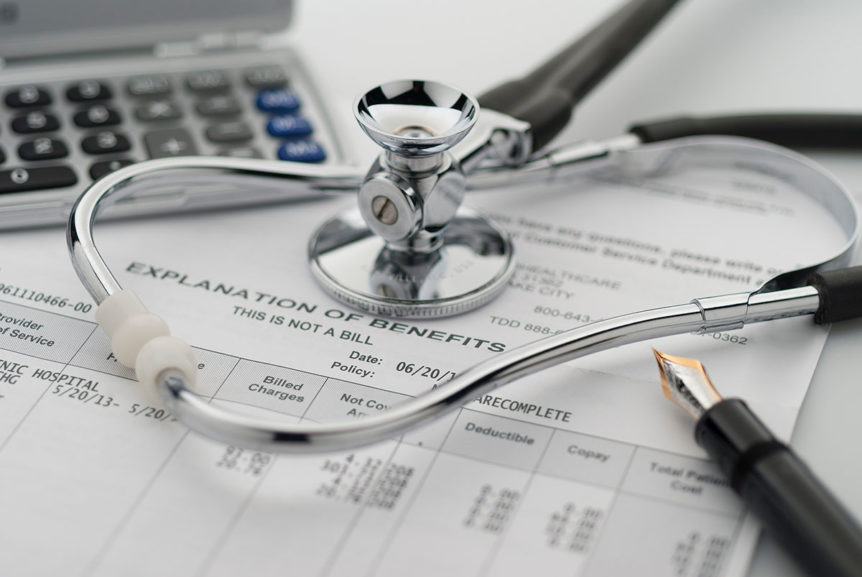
785 296
296 181
699 316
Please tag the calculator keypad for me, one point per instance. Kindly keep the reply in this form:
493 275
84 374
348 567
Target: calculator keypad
64 133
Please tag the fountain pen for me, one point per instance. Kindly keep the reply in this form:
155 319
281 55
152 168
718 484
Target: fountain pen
793 505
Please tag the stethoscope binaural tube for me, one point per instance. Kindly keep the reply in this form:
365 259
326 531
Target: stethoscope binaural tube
166 363
228 427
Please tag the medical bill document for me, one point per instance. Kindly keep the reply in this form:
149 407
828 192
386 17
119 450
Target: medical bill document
582 469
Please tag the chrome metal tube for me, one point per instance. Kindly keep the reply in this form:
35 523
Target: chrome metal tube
566 161
294 181
278 436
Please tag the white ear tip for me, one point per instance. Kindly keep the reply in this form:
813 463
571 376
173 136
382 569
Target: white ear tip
132 335
129 325
116 308
141 339
161 354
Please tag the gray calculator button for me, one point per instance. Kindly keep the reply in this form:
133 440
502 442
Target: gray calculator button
207 81
171 142
229 132
266 77
218 106
158 110
153 85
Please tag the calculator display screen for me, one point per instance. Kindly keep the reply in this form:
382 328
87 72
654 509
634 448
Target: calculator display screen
40 27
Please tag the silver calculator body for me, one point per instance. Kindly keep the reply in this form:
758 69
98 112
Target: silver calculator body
89 86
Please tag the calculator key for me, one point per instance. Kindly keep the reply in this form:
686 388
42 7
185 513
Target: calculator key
241 152
87 91
105 142
152 85
43 149
34 122
288 126
302 151
158 110
24 179
103 167
95 116
207 81
27 96
218 106
277 100
229 132
266 77
171 142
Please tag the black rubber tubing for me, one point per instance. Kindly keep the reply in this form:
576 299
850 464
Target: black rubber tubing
804 130
546 96
840 294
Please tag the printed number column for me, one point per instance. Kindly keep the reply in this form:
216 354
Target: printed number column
558 523
468 499
305 505
381 515
678 515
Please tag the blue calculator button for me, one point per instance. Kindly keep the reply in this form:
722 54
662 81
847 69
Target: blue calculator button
301 151
277 100
288 126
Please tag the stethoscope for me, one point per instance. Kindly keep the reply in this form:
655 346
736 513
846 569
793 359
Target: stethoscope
411 250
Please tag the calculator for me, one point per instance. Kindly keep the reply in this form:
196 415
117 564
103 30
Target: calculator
90 86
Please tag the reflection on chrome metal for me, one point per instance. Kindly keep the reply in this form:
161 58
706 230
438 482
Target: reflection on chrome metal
404 275
469 267
409 201
416 117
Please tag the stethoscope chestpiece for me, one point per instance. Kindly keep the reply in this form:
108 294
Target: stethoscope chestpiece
410 249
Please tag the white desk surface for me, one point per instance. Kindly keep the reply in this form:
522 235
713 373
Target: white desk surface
709 56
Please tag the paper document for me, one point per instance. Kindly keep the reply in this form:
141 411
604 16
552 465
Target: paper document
583 469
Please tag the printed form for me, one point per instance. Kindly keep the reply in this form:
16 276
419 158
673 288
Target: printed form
583 469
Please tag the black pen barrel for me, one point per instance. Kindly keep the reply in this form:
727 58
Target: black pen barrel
794 506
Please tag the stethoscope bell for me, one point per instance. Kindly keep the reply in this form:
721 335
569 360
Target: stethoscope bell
410 250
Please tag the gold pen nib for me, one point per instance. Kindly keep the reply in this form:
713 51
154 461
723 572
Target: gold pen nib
685 382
